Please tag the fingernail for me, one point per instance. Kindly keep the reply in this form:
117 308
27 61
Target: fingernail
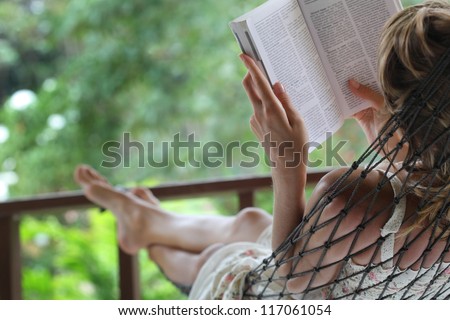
355 84
281 88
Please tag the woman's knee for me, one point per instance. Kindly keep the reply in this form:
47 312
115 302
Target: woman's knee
249 223
253 216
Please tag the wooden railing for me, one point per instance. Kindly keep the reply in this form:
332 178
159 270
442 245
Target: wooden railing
11 211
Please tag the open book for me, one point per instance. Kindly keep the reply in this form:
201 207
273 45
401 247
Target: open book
313 47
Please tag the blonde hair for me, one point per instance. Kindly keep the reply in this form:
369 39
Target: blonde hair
412 42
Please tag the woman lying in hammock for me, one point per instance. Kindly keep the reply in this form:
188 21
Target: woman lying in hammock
374 232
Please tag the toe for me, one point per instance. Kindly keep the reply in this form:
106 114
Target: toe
94 175
145 194
80 175
85 175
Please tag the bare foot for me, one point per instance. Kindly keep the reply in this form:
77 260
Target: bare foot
136 211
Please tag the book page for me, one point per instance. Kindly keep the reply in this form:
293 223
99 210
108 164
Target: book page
347 34
287 54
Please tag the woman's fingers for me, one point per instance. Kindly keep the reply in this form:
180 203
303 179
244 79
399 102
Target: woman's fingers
262 86
251 93
260 81
258 85
283 97
274 113
366 93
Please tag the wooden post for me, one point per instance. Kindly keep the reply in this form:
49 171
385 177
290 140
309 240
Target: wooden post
10 264
129 276
246 199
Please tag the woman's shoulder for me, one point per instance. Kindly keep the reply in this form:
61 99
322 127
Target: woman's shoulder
346 186
357 196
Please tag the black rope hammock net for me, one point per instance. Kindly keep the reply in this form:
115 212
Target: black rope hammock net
424 283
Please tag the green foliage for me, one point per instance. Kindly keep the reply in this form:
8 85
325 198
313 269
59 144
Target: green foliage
151 68
59 256
101 68
73 255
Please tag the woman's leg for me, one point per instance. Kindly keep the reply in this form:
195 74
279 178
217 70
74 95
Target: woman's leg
143 223
181 267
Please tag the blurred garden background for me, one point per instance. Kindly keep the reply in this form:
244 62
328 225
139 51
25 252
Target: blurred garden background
75 74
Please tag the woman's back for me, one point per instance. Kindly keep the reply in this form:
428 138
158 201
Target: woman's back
382 260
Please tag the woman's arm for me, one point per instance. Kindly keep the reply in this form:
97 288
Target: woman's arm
283 134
